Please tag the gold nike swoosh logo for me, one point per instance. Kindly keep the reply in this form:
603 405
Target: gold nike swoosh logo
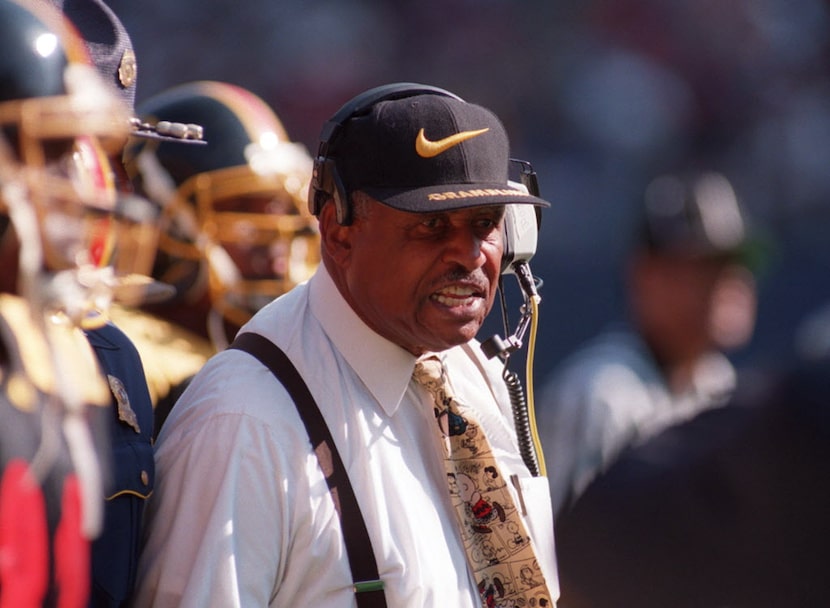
427 149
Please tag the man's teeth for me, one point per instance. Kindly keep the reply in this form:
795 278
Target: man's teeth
452 296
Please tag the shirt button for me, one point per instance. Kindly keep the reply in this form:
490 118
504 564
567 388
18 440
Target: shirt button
145 478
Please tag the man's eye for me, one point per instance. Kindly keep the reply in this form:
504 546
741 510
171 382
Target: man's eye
487 223
432 223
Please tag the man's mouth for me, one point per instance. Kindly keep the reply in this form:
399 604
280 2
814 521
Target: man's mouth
457 295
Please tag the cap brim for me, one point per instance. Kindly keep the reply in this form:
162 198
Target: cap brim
448 197
157 136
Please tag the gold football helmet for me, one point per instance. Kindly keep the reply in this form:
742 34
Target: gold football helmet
58 123
233 213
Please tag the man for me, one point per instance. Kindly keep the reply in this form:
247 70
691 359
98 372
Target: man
691 296
410 188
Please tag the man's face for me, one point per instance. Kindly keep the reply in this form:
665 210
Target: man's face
424 281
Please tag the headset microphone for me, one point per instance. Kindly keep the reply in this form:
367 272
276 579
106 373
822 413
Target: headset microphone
521 233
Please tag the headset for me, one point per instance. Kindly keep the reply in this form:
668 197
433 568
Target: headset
521 233
325 180
520 236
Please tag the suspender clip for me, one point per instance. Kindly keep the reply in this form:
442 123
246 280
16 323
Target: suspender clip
366 586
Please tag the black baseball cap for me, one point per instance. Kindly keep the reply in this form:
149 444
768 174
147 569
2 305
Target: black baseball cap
428 152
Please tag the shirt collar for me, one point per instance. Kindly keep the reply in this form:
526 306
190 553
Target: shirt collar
384 367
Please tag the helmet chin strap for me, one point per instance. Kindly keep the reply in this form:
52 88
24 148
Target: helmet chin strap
223 269
222 264
157 183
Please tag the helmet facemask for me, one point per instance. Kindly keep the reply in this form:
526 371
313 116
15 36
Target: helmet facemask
255 238
58 186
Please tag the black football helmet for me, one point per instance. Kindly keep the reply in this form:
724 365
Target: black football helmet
233 213
58 123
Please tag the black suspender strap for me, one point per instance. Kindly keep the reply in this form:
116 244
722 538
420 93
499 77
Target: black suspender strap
367 586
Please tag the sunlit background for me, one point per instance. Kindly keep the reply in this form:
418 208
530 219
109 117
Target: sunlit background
598 94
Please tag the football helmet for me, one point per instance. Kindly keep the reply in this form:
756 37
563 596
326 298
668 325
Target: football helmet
58 124
233 216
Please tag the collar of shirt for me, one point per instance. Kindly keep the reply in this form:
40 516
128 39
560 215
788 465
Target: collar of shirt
384 367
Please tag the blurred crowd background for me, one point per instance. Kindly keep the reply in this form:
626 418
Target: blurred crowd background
600 95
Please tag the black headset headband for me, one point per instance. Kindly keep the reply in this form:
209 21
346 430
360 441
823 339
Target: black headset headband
326 182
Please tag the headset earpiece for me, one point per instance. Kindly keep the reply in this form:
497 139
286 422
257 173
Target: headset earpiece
342 204
321 187
325 180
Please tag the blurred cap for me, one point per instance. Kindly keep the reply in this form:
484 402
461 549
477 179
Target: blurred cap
428 153
696 215
111 50
108 43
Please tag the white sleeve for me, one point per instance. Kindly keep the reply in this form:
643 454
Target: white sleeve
214 528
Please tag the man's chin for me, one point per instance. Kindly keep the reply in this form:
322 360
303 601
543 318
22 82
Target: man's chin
455 337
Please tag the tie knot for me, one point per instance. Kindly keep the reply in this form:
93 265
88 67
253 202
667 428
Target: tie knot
429 372
428 368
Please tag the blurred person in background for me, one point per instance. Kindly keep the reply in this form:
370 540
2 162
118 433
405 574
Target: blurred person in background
130 421
727 509
691 296
233 226
60 122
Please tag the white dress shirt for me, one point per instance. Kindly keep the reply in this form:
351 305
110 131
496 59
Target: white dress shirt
242 515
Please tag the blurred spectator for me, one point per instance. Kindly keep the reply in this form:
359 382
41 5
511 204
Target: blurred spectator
130 415
61 415
728 509
690 296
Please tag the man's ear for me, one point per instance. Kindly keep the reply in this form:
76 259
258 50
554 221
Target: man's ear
335 239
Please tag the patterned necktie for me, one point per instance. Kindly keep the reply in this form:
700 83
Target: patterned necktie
498 547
